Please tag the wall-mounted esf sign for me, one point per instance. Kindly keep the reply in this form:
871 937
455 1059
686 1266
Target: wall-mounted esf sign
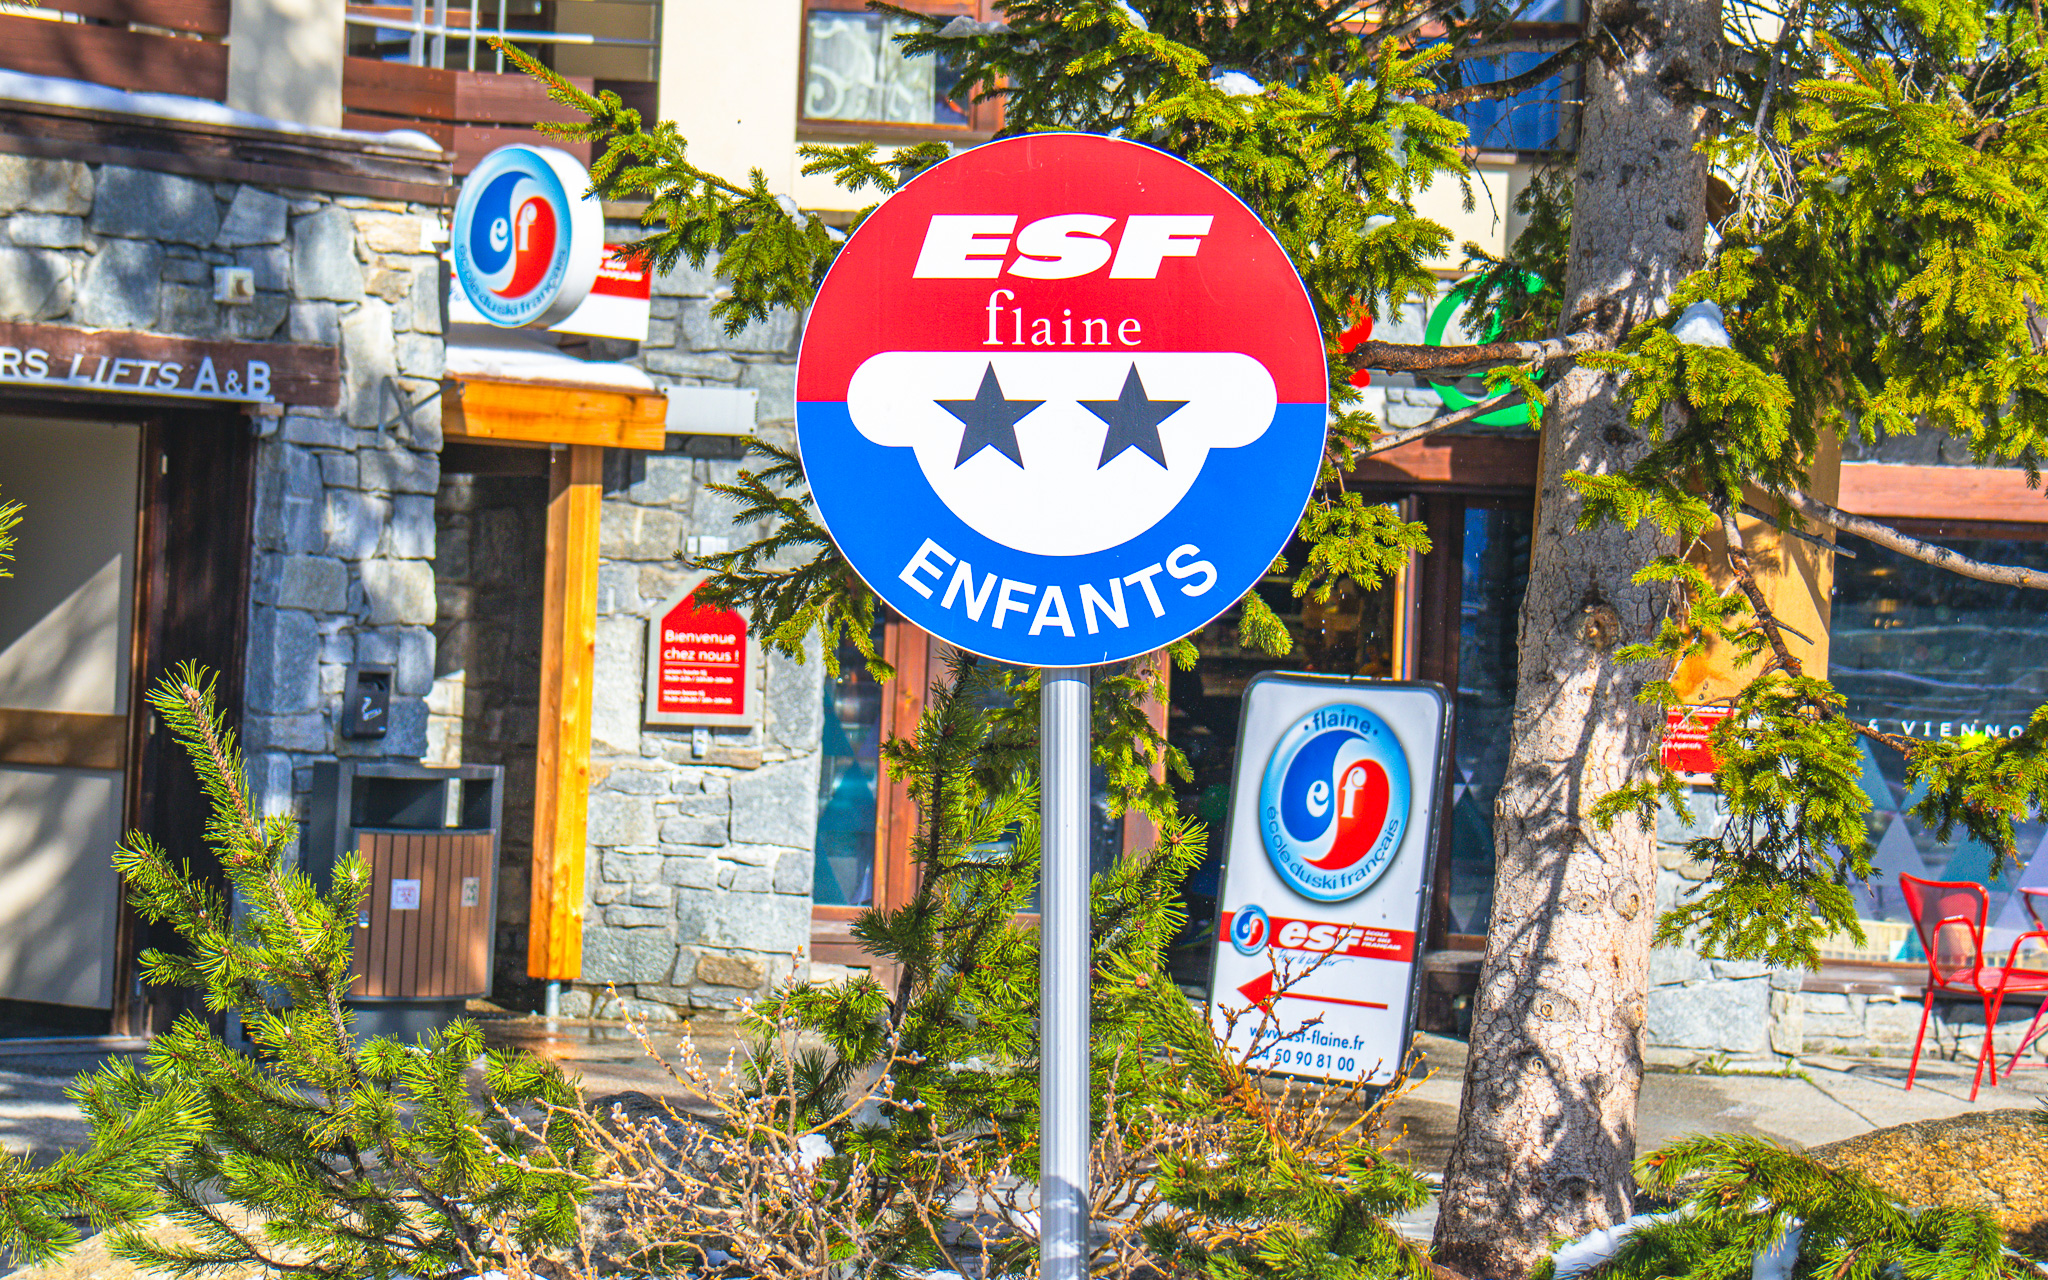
1330 853
702 666
1061 400
526 242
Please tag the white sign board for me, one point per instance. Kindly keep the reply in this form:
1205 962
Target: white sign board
1330 848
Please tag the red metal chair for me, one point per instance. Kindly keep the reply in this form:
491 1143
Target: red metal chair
1950 916
2032 899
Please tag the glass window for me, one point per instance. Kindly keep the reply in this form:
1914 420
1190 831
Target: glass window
855 69
848 774
1493 575
1919 651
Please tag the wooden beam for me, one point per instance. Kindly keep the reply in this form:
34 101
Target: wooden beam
63 739
1940 493
1464 462
141 61
553 413
561 798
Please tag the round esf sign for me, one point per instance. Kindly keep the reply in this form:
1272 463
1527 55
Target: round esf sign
1334 802
1061 400
526 240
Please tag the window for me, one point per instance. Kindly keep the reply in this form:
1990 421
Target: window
1920 651
1493 573
857 80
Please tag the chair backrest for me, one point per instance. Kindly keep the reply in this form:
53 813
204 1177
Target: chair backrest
2034 898
1949 916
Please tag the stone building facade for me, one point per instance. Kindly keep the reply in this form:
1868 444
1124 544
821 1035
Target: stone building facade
699 872
344 528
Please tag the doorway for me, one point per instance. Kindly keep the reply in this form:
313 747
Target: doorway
132 556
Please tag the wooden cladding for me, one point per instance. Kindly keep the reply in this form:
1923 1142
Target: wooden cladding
541 413
201 17
439 947
141 61
470 113
63 739
1887 492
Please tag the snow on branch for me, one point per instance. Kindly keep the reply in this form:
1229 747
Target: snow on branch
1927 552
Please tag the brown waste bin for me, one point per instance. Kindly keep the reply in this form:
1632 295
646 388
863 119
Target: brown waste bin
423 939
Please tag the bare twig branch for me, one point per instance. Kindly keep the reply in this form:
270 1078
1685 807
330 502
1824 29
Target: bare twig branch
1406 357
1501 48
1745 578
1496 89
2009 575
1382 444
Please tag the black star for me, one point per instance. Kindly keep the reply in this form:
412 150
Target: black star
1133 419
990 418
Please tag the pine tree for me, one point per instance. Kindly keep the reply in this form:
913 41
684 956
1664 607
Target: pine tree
10 519
1205 1166
1880 274
370 1159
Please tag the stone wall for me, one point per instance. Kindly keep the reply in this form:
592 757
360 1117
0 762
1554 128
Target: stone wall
1701 1007
344 507
699 870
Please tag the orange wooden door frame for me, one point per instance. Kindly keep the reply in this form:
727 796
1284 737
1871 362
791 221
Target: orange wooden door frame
561 793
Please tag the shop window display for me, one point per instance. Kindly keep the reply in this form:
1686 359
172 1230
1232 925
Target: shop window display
1919 651
848 777
1493 573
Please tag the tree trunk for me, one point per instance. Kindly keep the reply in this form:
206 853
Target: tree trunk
1546 1133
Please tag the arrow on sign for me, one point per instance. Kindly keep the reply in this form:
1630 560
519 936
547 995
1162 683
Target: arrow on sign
1260 992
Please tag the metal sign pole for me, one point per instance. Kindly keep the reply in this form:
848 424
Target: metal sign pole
1063 973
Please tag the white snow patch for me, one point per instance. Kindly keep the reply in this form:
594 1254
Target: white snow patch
512 355
813 1149
1587 1252
1235 83
1775 1263
1137 19
1701 325
52 91
965 26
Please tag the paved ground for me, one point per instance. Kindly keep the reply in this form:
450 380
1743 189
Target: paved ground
1834 1098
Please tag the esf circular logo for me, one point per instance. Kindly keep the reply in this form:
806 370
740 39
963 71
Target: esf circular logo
1334 802
526 241
1250 929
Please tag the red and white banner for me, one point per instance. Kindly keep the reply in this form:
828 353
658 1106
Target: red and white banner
619 303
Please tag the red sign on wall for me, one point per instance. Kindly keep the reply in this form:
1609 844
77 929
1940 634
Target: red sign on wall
700 665
1685 739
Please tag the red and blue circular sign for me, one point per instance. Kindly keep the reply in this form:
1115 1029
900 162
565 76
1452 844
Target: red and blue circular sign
1334 802
526 240
1061 400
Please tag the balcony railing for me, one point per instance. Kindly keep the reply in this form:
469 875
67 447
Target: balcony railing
430 65
150 46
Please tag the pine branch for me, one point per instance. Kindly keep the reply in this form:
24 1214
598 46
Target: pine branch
1905 544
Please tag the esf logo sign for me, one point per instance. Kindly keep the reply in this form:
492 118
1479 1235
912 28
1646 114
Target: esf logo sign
1061 400
1334 802
1250 929
527 242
